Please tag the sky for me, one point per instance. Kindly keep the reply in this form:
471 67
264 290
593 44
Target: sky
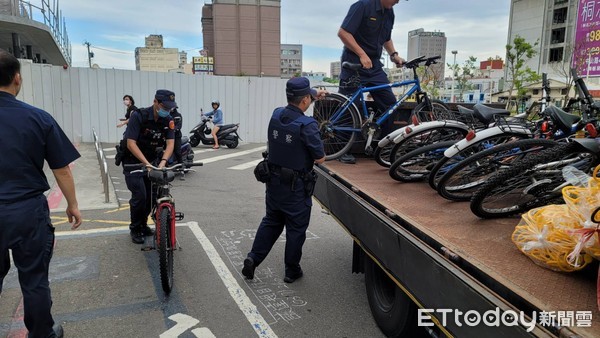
114 28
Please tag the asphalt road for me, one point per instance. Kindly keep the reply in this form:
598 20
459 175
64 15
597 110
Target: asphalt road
105 286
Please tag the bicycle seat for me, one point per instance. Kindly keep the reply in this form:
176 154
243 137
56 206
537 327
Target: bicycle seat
486 114
351 66
464 110
158 177
564 120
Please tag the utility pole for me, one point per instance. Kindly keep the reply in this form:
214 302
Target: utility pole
90 54
453 75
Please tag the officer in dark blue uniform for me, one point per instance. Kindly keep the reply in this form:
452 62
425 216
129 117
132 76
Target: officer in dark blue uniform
294 145
28 136
147 130
367 29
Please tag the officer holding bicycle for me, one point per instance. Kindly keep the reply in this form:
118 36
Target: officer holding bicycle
148 129
365 31
294 145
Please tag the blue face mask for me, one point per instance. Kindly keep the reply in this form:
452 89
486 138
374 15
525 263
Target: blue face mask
163 113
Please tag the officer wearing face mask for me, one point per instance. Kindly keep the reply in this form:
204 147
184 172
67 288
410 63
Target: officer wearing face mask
148 129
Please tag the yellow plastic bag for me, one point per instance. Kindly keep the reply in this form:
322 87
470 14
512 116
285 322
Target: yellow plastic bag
543 235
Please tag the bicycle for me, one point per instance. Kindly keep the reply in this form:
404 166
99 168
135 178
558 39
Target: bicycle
164 216
340 121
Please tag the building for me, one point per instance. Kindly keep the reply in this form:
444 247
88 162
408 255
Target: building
35 30
314 76
154 57
182 59
562 29
335 69
429 44
291 60
243 36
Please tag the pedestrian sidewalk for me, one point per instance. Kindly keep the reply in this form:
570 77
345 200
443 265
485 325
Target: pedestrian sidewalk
88 183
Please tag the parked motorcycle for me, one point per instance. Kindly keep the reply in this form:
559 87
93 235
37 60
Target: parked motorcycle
187 153
227 134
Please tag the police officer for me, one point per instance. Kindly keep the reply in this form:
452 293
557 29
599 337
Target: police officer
294 145
365 31
28 136
148 129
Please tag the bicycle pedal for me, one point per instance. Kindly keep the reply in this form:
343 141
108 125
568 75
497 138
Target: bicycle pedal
148 244
179 216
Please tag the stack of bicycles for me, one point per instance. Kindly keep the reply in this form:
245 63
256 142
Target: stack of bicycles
503 164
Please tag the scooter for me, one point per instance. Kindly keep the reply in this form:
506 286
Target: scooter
187 153
227 134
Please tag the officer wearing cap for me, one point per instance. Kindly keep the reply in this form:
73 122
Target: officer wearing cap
28 136
294 145
148 129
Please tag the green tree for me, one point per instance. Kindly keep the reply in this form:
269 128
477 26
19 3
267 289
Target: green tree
517 55
462 75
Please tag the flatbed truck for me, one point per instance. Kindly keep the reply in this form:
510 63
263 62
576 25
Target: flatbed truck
431 265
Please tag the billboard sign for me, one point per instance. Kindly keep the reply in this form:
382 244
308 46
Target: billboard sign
587 37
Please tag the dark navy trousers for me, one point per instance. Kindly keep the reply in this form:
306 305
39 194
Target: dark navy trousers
140 204
289 209
383 98
25 228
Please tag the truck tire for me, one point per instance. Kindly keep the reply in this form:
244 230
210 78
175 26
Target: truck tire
393 311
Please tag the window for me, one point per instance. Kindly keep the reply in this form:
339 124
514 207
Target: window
556 55
535 91
558 35
560 16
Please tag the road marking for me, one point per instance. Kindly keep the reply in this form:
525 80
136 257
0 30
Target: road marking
245 166
259 324
183 323
109 149
227 156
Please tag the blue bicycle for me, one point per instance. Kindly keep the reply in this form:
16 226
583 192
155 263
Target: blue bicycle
340 121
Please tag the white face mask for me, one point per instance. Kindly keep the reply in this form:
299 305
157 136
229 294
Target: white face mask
126 102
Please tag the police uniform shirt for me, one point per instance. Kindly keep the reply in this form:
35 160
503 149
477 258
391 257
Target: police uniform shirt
28 136
178 124
309 134
371 26
135 125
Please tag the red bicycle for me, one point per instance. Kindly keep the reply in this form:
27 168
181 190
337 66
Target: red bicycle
164 216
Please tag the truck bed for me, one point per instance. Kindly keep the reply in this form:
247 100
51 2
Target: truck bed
484 245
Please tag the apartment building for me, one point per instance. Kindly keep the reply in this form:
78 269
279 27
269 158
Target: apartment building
565 31
291 60
154 57
429 44
243 36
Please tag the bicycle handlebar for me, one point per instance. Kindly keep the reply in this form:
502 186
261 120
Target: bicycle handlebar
144 168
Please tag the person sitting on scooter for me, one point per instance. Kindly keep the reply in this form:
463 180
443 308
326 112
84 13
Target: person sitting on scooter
217 120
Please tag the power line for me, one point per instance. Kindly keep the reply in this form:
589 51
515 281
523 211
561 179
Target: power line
112 50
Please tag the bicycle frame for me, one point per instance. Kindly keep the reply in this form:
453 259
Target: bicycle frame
359 94
165 201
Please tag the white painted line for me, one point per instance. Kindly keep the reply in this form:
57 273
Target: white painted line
91 231
112 157
184 323
259 324
196 151
109 149
246 165
224 157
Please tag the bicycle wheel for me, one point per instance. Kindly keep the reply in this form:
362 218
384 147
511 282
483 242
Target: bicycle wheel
416 165
445 164
429 112
382 155
426 137
463 180
165 251
532 183
339 135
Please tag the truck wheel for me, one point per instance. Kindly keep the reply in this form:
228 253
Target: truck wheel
393 311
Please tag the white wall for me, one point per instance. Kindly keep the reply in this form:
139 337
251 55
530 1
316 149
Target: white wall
81 98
